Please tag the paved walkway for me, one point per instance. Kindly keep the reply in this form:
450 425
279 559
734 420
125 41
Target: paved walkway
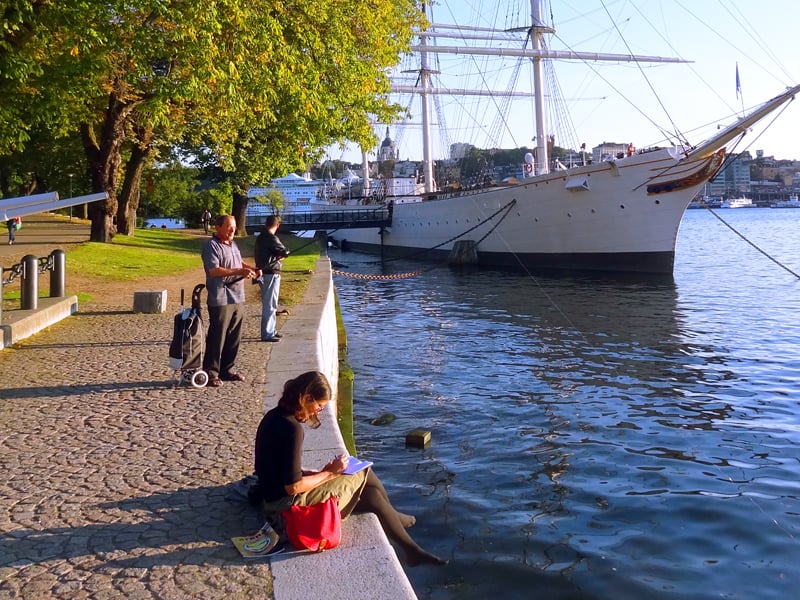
113 480
117 483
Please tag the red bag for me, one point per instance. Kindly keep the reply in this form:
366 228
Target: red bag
316 527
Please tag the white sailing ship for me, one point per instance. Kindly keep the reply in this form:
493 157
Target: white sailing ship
620 212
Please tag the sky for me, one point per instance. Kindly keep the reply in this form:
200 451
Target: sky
646 105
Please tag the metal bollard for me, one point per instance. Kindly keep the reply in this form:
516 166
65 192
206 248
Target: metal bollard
30 282
58 273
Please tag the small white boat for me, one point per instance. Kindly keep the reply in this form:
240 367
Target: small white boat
792 202
738 203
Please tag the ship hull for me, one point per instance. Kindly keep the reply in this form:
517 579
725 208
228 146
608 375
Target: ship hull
620 216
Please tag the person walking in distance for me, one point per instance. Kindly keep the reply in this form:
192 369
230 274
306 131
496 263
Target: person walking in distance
13 225
269 254
225 275
205 219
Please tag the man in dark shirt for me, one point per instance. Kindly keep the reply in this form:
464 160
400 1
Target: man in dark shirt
270 252
225 274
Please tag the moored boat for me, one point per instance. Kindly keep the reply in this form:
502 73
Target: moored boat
737 203
792 202
621 212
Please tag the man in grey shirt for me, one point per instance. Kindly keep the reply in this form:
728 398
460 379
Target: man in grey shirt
225 275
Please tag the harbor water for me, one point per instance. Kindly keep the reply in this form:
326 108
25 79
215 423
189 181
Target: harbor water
592 437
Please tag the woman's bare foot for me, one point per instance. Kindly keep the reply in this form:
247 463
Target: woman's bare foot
422 557
407 520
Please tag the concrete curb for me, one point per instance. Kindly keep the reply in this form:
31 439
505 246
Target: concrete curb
364 566
20 324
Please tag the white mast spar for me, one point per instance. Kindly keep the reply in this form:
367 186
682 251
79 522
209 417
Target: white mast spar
425 84
537 29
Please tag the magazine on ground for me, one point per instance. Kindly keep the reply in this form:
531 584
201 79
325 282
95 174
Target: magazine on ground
354 465
262 543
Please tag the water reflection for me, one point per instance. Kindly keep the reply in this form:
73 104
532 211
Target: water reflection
589 441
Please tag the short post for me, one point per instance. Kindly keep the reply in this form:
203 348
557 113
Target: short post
58 273
30 282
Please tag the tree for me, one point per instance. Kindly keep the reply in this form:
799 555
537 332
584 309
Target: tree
326 85
273 198
260 86
170 188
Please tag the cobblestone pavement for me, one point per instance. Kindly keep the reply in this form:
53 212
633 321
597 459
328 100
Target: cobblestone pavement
114 481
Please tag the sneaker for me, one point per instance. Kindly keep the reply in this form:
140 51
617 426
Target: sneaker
274 338
277 334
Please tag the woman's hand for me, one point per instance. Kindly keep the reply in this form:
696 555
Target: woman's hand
337 465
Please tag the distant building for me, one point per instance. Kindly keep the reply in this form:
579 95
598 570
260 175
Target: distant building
460 150
734 179
388 149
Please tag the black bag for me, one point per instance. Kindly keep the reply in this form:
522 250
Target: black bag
188 337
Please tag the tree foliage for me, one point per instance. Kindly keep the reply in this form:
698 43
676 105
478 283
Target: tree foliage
255 87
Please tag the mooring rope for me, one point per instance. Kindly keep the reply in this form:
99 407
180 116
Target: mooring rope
506 207
763 252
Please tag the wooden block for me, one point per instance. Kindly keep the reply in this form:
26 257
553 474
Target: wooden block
150 302
418 438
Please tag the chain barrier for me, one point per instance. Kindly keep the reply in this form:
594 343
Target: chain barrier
377 277
14 272
45 264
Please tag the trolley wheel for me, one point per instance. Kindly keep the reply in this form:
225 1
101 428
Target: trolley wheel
199 378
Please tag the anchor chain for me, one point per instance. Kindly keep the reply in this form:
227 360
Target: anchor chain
377 277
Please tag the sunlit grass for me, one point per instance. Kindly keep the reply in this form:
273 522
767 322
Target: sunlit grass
159 252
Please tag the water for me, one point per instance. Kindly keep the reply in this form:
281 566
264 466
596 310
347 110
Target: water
593 438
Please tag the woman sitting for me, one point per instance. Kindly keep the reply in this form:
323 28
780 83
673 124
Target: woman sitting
282 481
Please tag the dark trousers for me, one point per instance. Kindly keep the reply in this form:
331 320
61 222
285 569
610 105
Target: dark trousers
223 339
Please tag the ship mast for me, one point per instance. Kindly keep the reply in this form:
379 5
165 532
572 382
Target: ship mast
537 53
537 30
425 85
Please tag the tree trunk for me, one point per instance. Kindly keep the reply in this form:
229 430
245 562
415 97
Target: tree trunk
131 187
104 156
239 209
